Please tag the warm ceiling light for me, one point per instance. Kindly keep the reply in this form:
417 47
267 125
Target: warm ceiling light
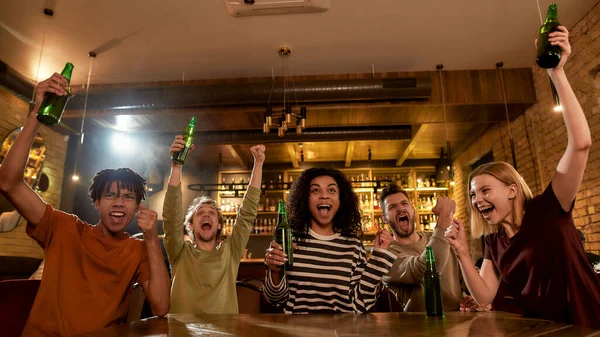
75 177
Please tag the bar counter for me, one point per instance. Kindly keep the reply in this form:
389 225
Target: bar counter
376 324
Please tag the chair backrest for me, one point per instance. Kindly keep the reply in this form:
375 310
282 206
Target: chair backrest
16 300
249 296
136 303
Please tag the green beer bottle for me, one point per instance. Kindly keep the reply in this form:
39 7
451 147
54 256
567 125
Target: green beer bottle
188 138
548 56
434 305
53 105
283 235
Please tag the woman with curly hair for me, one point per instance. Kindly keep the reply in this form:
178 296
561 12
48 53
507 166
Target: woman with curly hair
330 271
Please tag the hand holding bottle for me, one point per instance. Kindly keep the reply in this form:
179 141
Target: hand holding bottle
55 84
177 146
275 257
560 38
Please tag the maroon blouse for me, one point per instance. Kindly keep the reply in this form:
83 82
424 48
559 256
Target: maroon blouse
545 267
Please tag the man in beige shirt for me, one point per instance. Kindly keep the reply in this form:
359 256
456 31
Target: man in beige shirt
406 276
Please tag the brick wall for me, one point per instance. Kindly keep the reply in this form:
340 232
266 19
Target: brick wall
540 135
13 113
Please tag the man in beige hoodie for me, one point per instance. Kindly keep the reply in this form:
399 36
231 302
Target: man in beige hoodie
406 276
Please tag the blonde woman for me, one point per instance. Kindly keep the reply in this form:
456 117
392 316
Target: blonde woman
531 242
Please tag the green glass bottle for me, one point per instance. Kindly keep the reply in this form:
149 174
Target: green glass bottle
548 56
434 306
283 235
188 138
52 106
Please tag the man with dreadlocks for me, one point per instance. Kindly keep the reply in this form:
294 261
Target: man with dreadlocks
204 273
330 272
90 270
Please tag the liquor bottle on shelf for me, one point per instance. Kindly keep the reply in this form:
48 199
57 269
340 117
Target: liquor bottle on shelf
272 207
280 182
426 226
261 206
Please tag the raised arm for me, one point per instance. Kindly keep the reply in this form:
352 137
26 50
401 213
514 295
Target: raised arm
570 169
247 213
365 283
173 214
158 287
409 269
482 286
12 185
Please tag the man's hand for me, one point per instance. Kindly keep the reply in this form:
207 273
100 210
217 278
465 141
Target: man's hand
56 84
258 151
178 145
444 209
147 223
383 239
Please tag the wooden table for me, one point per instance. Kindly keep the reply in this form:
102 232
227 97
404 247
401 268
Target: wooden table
377 324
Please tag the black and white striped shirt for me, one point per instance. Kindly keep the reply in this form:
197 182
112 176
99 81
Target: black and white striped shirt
330 274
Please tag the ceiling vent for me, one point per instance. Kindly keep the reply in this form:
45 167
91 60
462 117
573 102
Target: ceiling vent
275 7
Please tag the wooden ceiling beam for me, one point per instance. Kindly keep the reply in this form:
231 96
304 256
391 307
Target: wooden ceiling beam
236 154
349 153
418 133
292 153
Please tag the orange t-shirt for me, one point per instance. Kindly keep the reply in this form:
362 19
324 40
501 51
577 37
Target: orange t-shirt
88 277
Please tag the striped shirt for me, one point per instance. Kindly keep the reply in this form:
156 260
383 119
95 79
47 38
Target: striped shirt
330 274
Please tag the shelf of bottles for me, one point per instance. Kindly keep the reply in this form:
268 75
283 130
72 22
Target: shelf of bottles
419 182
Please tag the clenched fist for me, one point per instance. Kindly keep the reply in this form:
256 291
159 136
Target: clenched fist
383 239
147 222
258 151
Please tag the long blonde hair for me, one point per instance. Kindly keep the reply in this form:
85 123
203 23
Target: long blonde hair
508 176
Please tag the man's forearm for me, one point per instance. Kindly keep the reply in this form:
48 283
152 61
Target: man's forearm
160 284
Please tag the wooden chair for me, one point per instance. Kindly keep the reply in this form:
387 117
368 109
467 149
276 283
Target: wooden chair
136 303
16 300
249 295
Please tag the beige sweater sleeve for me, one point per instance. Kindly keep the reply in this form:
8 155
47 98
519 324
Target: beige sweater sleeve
409 266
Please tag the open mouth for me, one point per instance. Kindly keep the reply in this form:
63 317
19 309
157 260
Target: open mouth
486 210
324 209
206 225
402 220
116 216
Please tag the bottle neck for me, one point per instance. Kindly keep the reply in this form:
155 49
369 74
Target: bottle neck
552 15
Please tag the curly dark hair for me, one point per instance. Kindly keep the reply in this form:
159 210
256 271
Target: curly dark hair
125 178
346 221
